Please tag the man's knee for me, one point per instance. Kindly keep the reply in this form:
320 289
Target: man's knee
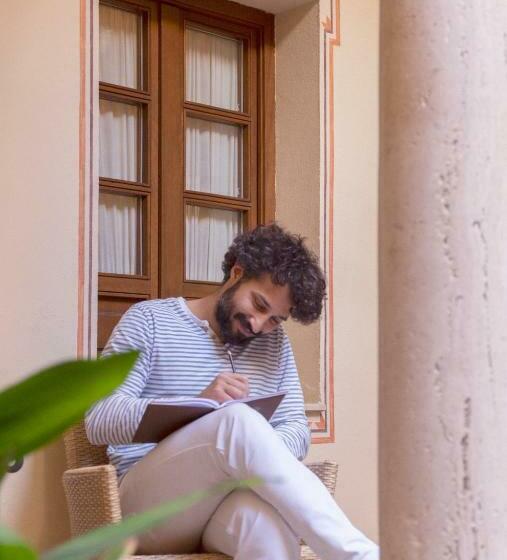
250 512
239 424
243 416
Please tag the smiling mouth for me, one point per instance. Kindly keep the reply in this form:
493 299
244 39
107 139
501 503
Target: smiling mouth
243 330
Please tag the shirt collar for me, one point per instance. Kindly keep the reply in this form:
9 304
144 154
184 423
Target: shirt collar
202 323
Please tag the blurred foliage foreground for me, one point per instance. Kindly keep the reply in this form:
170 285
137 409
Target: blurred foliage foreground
37 411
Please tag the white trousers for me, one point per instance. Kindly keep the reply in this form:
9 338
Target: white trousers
259 524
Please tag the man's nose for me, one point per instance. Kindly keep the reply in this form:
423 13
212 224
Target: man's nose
258 324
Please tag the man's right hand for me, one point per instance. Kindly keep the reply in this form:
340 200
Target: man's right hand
227 386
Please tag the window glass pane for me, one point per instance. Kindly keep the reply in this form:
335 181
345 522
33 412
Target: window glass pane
120 233
213 69
213 157
121 140
208 234
120 46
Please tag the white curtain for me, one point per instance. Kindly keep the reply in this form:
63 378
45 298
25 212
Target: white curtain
119 140
213 155
119 127
213 162
120 226
213 70
209 232
119 58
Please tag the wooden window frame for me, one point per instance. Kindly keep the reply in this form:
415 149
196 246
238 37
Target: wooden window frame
116 290
174 195
164 242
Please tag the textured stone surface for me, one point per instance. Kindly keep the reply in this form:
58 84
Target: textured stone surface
443 280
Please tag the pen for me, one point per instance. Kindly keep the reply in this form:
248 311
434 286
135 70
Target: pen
229 353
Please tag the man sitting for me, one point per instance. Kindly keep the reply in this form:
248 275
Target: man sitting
192 348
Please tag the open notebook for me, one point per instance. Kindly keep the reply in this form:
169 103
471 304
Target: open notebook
162 419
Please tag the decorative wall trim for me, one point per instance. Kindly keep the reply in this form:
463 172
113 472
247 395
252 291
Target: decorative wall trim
82 136
86 289
322 422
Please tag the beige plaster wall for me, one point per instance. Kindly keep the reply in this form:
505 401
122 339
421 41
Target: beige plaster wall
355 75
298 157
39 120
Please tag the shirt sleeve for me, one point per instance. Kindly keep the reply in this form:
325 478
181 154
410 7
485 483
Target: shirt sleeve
290 421
114 420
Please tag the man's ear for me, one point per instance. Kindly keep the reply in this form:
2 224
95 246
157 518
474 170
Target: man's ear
237 272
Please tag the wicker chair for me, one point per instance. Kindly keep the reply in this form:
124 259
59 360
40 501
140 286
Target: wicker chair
91 489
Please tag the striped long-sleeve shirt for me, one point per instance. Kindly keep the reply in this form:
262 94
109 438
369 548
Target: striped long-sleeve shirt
180 356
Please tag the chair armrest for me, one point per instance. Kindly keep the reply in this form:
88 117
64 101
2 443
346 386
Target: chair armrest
326 471
92 497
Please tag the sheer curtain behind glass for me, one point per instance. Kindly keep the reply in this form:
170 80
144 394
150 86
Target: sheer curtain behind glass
118 46
209 233
120 136
213 157
213 161
120 225
213 69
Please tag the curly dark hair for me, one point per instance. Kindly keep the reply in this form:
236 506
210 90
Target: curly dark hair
270 249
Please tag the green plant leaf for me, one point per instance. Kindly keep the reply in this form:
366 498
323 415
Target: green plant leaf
4 463
120 551
13 548
40 408
104 538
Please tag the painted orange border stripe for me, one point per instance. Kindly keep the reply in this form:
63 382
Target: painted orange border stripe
332 28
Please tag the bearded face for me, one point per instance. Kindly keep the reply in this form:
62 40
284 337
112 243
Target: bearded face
251 307
233 324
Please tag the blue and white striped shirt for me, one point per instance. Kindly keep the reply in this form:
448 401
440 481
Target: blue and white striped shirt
181 356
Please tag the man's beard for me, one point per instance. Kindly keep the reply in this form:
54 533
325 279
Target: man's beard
224 317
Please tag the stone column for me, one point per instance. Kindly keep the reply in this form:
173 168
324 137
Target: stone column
443 280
